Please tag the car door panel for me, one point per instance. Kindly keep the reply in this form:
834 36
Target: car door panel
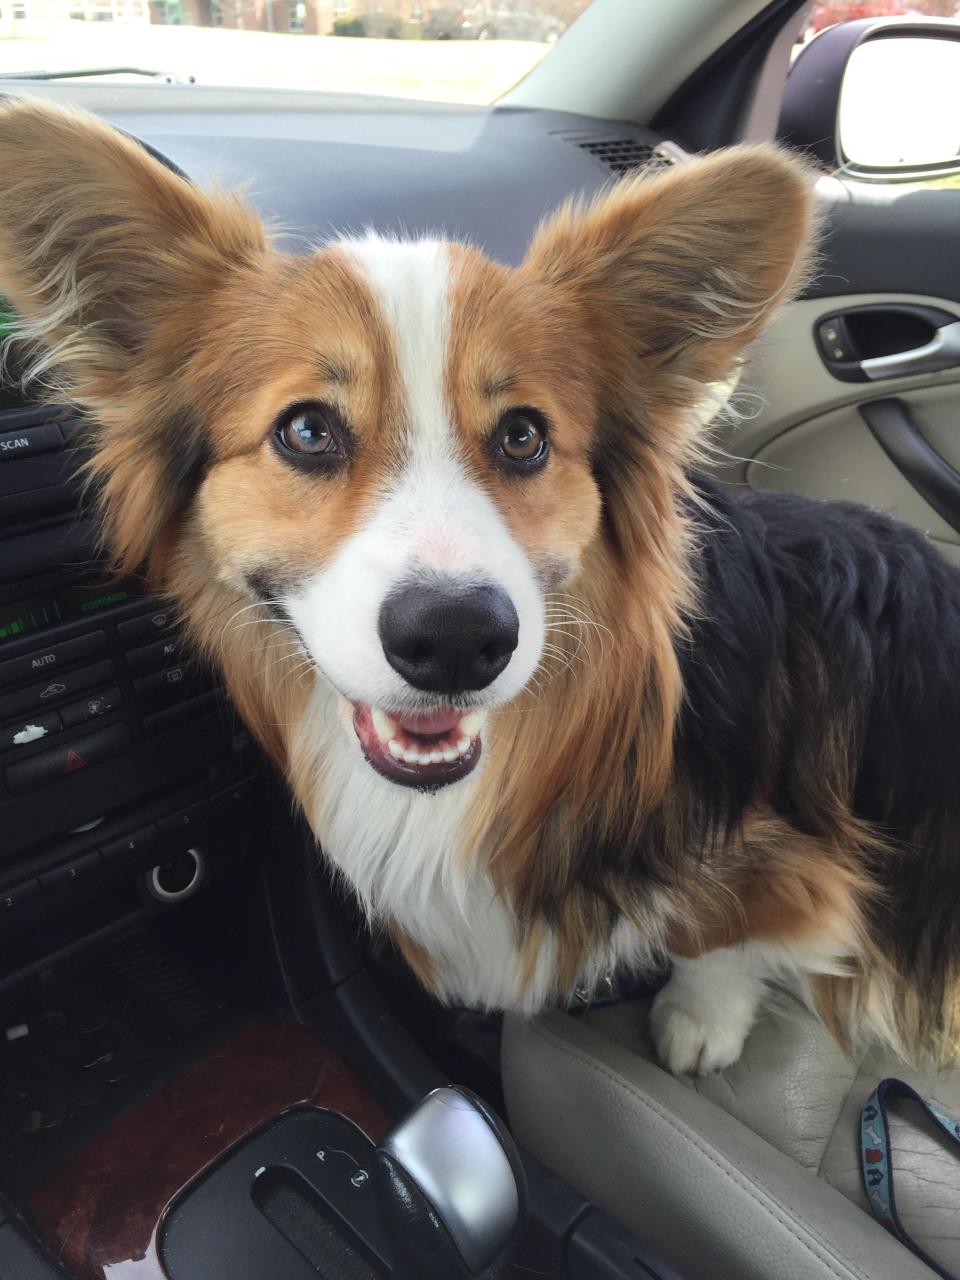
835 456
888 236
807 433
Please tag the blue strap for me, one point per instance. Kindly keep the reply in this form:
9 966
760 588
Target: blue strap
876 1160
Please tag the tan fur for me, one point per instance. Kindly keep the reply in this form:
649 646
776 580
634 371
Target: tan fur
779 886
506 350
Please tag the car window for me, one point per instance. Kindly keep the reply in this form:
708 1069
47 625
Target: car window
405 48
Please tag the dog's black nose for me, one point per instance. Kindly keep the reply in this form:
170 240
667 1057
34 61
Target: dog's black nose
447 638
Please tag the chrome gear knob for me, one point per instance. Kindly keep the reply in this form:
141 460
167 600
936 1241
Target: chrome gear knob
451 1189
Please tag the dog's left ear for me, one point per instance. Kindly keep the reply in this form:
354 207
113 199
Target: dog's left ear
113 265
667 279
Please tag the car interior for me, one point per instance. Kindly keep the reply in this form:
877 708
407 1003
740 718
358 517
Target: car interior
210 1067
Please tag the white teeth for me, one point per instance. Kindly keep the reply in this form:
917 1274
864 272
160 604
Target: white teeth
470 725
384 726
386 729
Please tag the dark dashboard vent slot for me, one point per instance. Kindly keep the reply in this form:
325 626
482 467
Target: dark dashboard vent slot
625 155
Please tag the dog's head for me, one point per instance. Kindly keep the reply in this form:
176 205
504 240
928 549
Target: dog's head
400 449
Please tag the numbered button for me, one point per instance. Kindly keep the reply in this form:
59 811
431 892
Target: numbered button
187 822
134 845
17 897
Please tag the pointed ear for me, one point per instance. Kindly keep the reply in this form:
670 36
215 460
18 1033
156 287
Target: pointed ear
100 242
669 278
107 258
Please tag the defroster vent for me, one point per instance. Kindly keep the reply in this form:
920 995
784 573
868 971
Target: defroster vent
625 155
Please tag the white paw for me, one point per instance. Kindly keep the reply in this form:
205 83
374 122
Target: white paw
703 1015
694 1045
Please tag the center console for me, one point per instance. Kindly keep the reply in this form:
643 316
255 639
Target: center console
269 1159
120 761
441 1198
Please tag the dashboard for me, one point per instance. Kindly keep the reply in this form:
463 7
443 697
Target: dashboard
122 768
315 164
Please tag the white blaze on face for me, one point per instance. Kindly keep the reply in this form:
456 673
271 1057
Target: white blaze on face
435 518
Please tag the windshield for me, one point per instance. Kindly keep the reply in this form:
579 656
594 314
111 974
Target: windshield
441 52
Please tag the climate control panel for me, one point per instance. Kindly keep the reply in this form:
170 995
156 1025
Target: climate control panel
118 752
51 695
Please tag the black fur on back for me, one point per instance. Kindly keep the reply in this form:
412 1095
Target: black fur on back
824 663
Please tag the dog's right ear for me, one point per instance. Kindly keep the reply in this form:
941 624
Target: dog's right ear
101 244
111 263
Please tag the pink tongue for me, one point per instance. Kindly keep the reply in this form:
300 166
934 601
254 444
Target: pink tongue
434 722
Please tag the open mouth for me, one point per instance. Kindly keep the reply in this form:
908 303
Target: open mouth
429 750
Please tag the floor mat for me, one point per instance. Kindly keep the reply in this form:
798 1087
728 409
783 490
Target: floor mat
86 1038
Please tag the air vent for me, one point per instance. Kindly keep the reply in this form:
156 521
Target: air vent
625 155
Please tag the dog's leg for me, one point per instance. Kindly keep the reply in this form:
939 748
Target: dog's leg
703 1015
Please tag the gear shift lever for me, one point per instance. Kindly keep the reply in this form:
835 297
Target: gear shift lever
451 1189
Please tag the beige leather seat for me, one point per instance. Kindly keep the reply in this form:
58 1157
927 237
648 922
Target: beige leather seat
751 1174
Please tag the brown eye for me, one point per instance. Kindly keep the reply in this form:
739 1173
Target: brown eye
522 437
308 432
312 433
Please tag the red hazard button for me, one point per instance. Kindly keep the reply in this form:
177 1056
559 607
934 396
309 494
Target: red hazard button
74 762
56 764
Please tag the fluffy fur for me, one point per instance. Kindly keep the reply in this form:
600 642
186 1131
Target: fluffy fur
729 733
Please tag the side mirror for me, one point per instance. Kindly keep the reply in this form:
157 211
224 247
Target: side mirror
877 99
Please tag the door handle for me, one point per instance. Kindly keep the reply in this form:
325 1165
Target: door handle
889 340
941 352
933 477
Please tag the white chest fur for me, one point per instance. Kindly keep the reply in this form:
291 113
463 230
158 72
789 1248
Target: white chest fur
402 852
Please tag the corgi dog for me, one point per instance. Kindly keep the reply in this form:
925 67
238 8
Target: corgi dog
554 704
